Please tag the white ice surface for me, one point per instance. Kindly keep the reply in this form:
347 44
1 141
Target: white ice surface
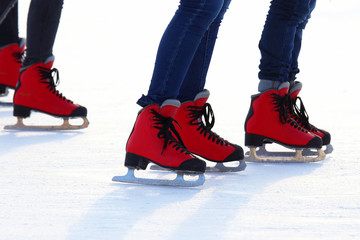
57 185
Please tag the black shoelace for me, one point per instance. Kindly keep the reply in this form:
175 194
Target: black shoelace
205 112
281 105
301 114
18 56
47 77
166 130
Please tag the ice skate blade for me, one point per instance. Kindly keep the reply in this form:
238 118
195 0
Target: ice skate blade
179 181
262 151
6 104
298 158
219 167
65 126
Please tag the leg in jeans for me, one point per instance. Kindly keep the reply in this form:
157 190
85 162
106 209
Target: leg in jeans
294 69
193 116
195 79
281 38
182 62
36 89
271 116
178 47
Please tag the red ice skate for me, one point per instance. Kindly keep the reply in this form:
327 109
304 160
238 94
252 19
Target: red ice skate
299 114
269 121
155 139
36 91
196 120
10 63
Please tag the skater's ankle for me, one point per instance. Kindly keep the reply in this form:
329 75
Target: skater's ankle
7 42
29 61
265 85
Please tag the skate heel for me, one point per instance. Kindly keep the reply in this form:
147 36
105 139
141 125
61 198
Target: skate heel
254 140
135 161
21 111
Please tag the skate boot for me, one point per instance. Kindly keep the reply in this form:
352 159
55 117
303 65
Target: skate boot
36 91
155 139
299 114
10 63
269 121
196 120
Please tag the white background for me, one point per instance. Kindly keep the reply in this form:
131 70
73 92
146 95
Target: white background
57 185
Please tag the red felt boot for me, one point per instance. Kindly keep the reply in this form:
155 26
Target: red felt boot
195 131
36 90
269 120
155 139
10 63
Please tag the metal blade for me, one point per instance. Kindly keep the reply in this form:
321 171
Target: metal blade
65 126
262 151
179 181
297 158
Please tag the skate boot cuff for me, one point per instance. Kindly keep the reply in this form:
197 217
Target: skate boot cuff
169 107
203 94
295 89
49 59
171 102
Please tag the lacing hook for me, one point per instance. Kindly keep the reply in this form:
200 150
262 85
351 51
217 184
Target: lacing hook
209 116
301 111
55 73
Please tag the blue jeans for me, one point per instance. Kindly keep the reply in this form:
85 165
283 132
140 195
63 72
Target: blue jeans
281 39
185 51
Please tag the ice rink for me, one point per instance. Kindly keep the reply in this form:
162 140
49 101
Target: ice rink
57 185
